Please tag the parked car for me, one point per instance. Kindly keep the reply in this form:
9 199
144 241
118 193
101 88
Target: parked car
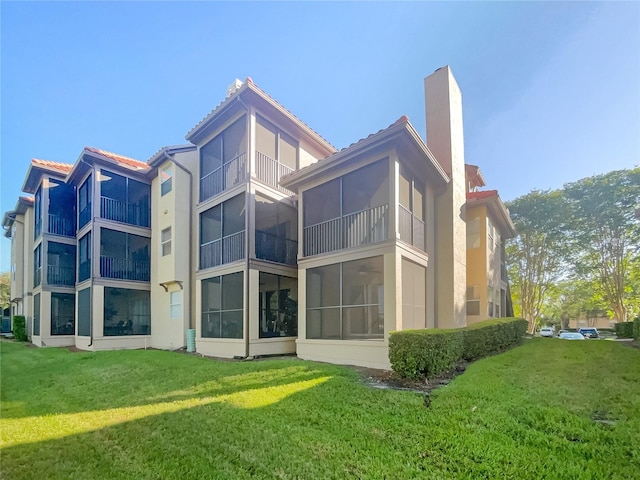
547 331
562 331
571 336
589 332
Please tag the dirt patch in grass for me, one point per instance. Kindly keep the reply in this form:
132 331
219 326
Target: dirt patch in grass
390 380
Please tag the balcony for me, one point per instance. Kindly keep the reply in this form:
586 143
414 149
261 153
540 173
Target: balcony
124 269
348 231
61 226
270 171
65 276
412 230
275 248
223 250
230 174
123 212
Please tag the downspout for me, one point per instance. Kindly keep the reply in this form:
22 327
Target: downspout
191 289
248 205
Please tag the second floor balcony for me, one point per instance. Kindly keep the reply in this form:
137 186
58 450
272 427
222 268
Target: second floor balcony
59 225
118 211
222 250
124 269
275 248
228 175
270 171
63 276
412 229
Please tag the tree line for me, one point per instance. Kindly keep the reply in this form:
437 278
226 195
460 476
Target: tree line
576 253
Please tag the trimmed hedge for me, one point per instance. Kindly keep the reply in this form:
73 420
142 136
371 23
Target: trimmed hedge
19 328
427 353
624 329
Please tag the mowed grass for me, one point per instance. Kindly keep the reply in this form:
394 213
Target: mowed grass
548 409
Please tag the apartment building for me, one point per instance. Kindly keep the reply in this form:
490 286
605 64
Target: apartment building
259 238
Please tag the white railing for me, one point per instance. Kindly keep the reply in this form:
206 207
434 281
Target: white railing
352 230
222 250
228 175
270 171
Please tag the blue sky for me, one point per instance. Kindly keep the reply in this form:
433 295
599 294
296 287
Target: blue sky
551 90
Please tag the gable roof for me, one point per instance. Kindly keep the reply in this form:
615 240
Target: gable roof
121 160
499 211
250 91
161 155
39 167
401 129
20 209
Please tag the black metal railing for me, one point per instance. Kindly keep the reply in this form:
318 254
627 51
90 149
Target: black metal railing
61 226
275 248
57 275
124 269
123 212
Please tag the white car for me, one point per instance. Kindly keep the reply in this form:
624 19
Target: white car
571 336
547 332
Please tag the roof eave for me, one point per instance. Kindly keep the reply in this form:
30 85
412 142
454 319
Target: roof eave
159 156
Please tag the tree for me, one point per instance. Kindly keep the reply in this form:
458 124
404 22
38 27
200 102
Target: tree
5 289
536 255
606 234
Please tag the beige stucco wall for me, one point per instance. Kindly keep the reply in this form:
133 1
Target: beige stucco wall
477 262
443 102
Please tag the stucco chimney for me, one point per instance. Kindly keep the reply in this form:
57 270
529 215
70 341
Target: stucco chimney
443 104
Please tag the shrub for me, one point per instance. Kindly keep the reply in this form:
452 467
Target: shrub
624 329
19 328
636 329
418 353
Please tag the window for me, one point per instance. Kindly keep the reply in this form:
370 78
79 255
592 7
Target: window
223 161
276 231
278 306
222 311
84 312
222 230
84 257
126 312
62 209
124 256
37 265
63 311
411 196
276 152
348 211
175 304
124 199
166 180
165 241
84 203
61 264
36 315
473 300
345 301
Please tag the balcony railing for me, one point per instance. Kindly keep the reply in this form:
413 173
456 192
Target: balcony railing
275 248
352 230
85 216
412 230
270 171
57 275
124 269
61 226
223 250
125 212
230 174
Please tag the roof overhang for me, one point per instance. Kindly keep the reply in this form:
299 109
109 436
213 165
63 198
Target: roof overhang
9 217
88 157
400 135
161 155
34 175
498 210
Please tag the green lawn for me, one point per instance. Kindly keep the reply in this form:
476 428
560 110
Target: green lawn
534 412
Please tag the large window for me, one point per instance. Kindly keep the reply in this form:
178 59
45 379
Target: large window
62 209
36 314
223 161
84 312
276 231
63 311
222 306
346 301
84 257
348 211
276 153
411 218
124 199
473 300
222 231
84 202
126 312
61 264
37 265
278 306
166 180
124 256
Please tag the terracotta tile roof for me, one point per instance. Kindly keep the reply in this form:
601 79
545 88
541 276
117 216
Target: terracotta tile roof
50 165
249 83
121 159
26 199
482 195
403 119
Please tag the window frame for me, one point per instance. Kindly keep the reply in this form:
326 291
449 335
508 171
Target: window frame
166 180
165 242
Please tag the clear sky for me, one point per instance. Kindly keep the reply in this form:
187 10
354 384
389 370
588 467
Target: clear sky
551 90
